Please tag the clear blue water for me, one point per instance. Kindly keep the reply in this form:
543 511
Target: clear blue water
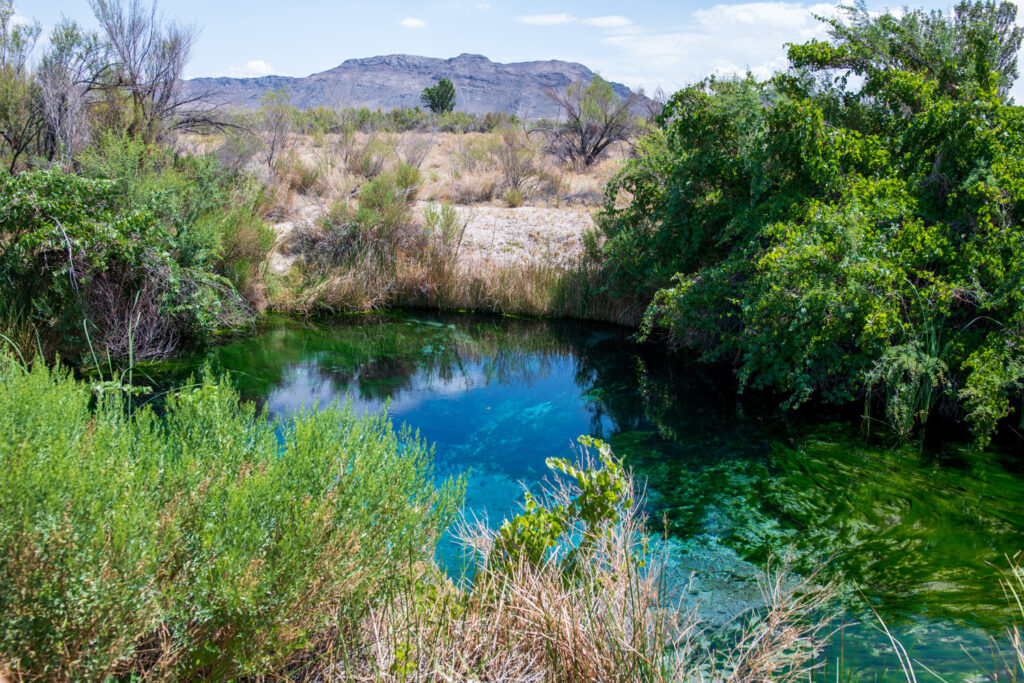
919 534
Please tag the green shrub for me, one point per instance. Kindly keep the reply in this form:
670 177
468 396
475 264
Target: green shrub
179 189
207 542
366 159
841 243
194 198
245 241
77 251
514 198
385 203
407 179
573 526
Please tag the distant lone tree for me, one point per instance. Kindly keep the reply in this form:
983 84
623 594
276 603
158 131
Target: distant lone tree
595 117
439 98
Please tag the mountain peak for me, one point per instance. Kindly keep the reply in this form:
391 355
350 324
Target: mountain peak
469 57
396 80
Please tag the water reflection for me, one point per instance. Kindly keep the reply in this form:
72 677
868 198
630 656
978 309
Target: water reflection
916 533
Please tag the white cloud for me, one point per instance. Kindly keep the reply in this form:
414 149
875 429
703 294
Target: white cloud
20 19
482 4
722 39
547 19
611 21
252 68
412 22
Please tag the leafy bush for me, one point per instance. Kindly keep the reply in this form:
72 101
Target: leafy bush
77 251
385 203
194 197
244 241
580 523
836 242
513 198
209 542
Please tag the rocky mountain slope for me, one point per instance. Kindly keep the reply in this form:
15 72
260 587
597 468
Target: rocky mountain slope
393 81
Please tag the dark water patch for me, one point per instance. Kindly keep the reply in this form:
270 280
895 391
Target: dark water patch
918 534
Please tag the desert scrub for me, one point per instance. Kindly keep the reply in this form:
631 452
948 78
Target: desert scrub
208 542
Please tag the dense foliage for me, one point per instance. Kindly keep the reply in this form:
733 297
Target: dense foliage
141 258
206 542
110 240
849 228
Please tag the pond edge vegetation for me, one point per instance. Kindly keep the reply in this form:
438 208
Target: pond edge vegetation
827 243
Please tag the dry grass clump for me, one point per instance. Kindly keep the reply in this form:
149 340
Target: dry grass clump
350 290
517 156
529 623
531 288
587 612
782 644
1013 584
299 176
469 190
365 156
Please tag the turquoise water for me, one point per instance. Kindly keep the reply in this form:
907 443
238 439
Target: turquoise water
919 535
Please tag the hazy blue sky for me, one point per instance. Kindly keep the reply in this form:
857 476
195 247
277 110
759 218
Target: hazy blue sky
642 43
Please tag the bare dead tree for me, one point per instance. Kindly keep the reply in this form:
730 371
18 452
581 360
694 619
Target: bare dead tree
147 56
654 104
275 125
595 118
64 76
413 149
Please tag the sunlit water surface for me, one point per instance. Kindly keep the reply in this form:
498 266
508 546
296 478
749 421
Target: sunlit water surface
919 535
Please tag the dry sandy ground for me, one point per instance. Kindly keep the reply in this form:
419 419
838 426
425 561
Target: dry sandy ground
528 234
524 234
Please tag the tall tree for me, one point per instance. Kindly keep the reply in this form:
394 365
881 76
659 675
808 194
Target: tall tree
65 74
439 98
147 56
977 44
850 228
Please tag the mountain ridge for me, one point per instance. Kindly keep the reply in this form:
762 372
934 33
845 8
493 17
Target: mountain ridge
396 80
